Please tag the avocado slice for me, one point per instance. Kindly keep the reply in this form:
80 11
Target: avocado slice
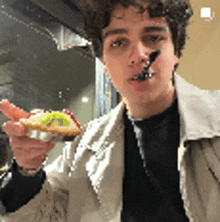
48 120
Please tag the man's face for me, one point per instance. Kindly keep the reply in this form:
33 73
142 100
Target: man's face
127 43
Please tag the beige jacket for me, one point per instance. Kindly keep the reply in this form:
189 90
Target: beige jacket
85 183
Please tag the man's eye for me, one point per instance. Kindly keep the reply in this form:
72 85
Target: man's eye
117 43
155 38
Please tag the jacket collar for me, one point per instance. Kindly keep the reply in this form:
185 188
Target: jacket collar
199 110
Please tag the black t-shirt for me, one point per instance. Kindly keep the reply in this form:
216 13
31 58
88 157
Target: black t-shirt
151 181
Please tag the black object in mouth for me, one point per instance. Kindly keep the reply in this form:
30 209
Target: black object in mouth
145 74
154 55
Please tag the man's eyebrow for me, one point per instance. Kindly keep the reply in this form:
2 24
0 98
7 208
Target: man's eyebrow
160 28
114 32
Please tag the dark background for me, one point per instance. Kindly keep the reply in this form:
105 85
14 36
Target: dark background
34 73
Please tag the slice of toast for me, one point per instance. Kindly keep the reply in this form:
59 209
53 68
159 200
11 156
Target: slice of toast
61 123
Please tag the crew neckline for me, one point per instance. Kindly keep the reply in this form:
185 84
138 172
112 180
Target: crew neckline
154 118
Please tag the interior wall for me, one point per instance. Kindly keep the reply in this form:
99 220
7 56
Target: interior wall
200 62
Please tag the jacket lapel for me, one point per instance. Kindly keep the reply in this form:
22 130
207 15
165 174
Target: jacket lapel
198 118
105 168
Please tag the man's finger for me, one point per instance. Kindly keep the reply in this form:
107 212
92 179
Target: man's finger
12 112
14 128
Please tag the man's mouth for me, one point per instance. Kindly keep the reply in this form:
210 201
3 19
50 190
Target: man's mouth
142 76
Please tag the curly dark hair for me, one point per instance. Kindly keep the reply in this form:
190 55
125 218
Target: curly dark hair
96 14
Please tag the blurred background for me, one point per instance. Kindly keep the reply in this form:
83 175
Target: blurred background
45 61
200 62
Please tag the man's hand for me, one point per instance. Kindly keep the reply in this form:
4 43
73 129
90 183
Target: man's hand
29 153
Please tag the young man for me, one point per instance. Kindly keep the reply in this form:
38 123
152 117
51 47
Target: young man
155 157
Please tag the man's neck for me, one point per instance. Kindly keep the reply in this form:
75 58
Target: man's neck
144 111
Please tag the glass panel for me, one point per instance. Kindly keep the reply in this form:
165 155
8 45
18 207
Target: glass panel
106 94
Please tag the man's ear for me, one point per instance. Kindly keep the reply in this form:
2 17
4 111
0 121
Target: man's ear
176 57
103 65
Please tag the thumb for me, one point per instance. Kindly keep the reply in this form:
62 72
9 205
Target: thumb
12 112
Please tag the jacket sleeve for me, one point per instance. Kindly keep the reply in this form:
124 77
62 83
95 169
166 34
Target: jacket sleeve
17 190
50 204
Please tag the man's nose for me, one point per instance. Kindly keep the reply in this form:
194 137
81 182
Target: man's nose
139 54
